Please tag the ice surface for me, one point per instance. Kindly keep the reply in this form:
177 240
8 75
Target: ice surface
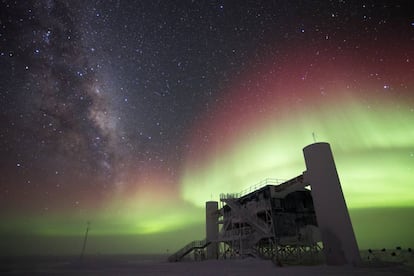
133 265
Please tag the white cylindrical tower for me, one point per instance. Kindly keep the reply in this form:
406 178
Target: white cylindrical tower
335 225
212 229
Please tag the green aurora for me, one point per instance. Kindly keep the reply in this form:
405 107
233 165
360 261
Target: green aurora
373 148
356 93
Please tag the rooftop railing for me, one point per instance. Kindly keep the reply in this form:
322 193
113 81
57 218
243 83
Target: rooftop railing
261 184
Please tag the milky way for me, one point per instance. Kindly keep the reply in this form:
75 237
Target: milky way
132 115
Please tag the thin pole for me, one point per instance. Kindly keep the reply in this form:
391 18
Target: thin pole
85 240
314 137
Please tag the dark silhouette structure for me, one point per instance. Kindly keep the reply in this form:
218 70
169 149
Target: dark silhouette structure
304 219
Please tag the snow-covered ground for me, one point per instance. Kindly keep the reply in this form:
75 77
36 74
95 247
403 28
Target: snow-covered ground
128 265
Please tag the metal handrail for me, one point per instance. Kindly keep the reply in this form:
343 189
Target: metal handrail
187 248
261 184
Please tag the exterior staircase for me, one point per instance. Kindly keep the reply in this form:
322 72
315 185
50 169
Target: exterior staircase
177 256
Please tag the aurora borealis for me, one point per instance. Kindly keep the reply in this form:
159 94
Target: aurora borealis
361 128
132 115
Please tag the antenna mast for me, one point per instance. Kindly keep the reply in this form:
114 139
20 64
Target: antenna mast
88 224
314 137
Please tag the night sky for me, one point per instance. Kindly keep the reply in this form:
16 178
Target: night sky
132 114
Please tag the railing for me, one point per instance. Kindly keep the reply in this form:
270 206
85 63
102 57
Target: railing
187 249
264 182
